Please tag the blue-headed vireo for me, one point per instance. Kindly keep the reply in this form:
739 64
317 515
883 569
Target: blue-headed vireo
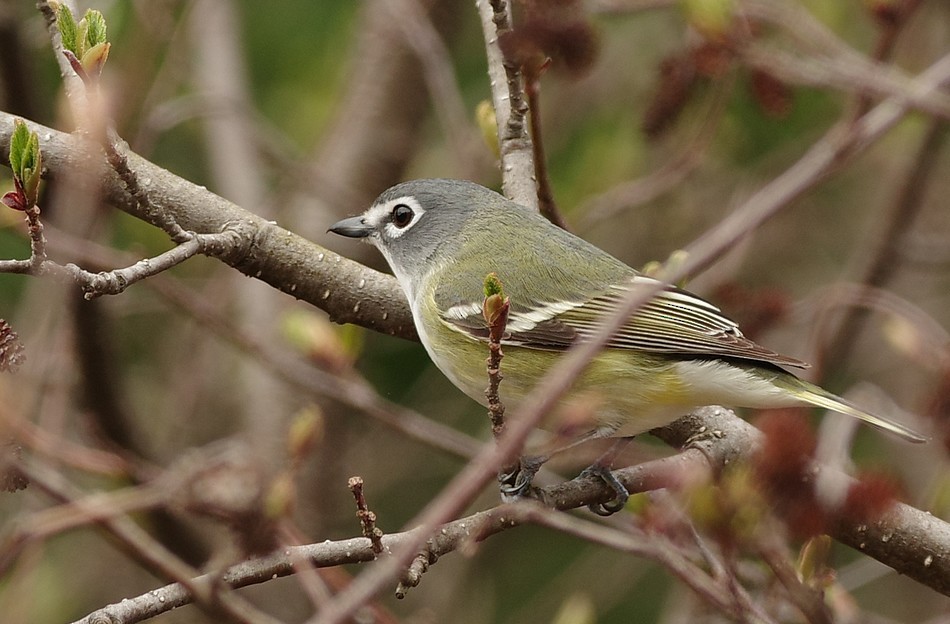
443 237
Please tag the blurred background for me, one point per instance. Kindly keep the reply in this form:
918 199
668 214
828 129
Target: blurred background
303 112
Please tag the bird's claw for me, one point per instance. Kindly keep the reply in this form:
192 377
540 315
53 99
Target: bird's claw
621 494
516 483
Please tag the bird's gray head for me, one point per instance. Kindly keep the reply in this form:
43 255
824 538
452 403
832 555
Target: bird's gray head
417 223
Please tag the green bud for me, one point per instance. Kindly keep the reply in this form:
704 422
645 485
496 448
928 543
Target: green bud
732 508
85 40
95 58
813 561
638 503
332 347
651 268
495 306
485 118
305 432
493 285
579 608
676 260
281 497
713 18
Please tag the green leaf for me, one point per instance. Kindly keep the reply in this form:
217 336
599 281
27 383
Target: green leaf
25 159
496 304
68 30
81 28
19 144
95 28
32 169
493 285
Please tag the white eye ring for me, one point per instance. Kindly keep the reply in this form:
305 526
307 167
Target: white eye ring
397 216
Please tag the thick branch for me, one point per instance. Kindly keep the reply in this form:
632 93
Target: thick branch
347 291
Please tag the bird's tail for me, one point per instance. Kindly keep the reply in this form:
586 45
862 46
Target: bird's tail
820 397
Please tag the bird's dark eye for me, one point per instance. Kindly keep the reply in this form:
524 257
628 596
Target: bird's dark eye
402 215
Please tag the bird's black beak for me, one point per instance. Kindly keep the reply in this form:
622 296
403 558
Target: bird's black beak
354 227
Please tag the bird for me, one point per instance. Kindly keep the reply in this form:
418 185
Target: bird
442 237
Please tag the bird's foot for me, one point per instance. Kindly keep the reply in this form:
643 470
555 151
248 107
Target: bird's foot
516 482
621 495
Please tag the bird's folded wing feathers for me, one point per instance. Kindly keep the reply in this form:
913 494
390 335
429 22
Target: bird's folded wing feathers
674 322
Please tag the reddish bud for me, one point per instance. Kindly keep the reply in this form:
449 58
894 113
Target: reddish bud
570 44
677 78
783 468
788 446
889 13
14 200
711 59
76 65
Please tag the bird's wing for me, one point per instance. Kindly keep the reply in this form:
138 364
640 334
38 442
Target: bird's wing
674 322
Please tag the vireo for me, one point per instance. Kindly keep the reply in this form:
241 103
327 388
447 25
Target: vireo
677 352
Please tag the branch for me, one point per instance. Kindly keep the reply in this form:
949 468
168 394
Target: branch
422 37
347 291
885 258
507 90
204 591
325 279
277 257
825 157
911 541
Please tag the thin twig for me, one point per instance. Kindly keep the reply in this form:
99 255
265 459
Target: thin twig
92 118
734 602
807 600
37 262
546 204
150 553
885 258
422 37
647 188
517 166
366 516
117 280
495 311
821 58
889 29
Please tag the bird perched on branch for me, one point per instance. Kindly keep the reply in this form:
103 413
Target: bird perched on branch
443 237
